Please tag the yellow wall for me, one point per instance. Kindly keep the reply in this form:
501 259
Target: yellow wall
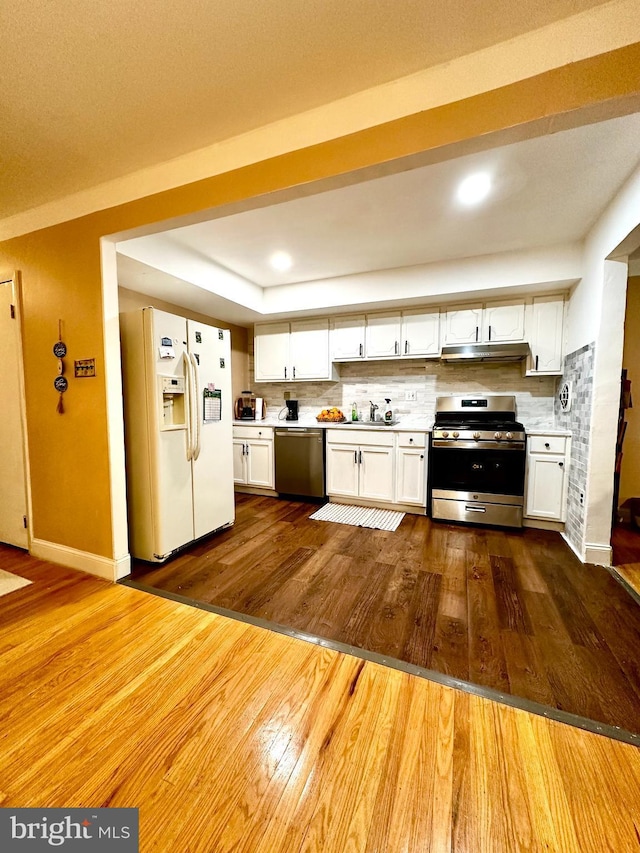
630 471
61 265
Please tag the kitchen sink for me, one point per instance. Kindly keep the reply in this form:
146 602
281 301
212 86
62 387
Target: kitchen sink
371 424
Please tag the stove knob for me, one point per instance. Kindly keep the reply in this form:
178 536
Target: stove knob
497 436
445 434
476 435
456 435
509 436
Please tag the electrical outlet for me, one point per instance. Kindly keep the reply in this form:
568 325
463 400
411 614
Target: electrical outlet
410 396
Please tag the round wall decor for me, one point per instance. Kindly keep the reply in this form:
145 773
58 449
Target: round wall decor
565 395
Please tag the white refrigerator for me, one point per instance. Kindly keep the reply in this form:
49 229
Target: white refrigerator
178 431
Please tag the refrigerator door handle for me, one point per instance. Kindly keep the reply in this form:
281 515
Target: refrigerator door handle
197 444
187 377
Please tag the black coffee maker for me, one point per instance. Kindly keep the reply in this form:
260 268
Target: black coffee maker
292 410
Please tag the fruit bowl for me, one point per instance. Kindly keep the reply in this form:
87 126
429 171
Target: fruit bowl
331 416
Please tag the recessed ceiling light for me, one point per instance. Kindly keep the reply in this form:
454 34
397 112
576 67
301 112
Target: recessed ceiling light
281 261
474 189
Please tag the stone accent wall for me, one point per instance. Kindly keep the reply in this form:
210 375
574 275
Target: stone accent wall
578 369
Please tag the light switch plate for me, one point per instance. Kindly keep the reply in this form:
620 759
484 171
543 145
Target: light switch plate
409 396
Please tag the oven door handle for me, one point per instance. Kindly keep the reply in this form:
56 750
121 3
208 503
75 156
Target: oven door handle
469 508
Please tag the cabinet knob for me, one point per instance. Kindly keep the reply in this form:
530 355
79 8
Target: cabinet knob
410 441
561 464
547 445
422 456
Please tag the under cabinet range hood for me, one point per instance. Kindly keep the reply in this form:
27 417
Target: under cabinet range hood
472 353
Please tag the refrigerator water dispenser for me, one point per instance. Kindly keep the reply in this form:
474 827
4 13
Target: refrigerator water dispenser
173 407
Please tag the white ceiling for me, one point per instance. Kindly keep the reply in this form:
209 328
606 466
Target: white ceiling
93 90
548 191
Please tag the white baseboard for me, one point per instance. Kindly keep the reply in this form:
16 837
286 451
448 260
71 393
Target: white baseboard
102 567
599 555
541 524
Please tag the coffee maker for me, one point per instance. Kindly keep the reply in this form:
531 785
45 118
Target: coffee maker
292 410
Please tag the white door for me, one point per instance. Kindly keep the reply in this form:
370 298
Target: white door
239 456
259 462
376 473
383 335
309 349
546 334
463 325
212 464
13 506
347 337
271 352
411 476
504 322
342 470
545 487
420 333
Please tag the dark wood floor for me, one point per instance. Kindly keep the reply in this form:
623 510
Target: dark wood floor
510 610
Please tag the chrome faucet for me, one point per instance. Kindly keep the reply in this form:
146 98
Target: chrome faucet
372 410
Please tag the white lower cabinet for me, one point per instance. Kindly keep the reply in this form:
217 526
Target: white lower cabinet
253 457
411 469
379 465
360 464
546 486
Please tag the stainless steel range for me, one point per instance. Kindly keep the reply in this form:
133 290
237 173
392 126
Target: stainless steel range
477 461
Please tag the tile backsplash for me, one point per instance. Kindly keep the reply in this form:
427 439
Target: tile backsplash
361 382
578 370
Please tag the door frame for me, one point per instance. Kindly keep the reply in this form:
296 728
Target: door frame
15 278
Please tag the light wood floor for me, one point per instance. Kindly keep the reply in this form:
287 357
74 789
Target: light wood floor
228 737
626 554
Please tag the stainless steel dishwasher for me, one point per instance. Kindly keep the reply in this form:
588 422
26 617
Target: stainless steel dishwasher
300 461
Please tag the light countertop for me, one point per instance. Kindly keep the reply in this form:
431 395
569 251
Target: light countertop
411 423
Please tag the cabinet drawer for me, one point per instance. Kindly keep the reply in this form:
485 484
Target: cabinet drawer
357 437
412 439
253 432
547 443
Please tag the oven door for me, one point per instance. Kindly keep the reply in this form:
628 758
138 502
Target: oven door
477 470
477 484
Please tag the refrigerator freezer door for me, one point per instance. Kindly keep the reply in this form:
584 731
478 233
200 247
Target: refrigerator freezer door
172 499
213 494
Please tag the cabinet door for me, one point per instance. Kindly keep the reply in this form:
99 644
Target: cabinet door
546 331
239 470
383 335
420 333
504 321
347 337
410 476
271 351
376 472
309 349
463 325
545 487
259 462
342 470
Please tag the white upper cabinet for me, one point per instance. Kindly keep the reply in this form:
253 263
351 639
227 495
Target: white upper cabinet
503 321
463 325
347 337
491 323
309 349
382 339
271 352
420 333
546 334
288 351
